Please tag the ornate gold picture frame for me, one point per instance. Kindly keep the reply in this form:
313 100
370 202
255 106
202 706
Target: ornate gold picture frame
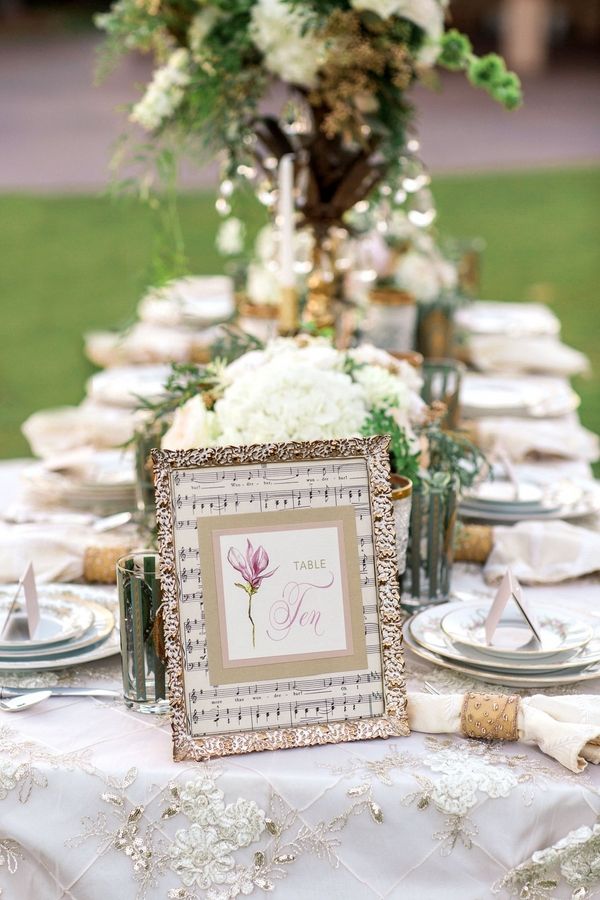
282 611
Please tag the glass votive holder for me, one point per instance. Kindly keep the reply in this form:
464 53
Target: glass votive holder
402 501
142 638
391 320
441 381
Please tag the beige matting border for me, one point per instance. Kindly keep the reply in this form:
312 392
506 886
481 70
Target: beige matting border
351 660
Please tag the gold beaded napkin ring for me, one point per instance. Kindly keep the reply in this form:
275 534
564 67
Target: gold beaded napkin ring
490 717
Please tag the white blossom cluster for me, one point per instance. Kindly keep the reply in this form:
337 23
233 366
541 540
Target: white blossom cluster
277 31
164 93
421 269
298 390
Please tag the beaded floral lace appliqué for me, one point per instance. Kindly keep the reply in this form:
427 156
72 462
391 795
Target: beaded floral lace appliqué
202 852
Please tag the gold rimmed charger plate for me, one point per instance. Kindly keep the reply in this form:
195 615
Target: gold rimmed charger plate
524 681
102 626
425 629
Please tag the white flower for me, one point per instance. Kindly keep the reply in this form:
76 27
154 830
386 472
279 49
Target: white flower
201 26
276 29
230 237
286 400
427 14
202 801
164 93
417 275
381 388
193 426
447 274
262 284
201 856
243 822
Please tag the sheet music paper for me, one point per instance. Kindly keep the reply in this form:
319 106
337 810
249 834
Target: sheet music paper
222 491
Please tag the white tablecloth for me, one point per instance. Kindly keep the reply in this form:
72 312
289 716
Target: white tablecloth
92 807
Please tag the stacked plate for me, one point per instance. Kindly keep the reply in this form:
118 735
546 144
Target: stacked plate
73 629
102 482
453 636
511 319
502 502
531 397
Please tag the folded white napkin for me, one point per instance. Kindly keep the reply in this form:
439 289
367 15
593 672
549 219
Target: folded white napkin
543 552
565 728
528 438
547 355
53 431
56 549
57 552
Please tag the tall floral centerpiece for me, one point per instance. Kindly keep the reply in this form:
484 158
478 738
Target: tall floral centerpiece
346 67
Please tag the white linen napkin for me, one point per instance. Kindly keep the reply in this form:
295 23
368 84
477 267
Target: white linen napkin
54 431
547 355
526 438
565 728
543 552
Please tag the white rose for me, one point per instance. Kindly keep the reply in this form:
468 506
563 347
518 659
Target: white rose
230 237
447 274
193 426
276 29
417 275
262 285
381 388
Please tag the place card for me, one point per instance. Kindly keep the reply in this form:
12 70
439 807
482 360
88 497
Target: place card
510 589
28 586
279 579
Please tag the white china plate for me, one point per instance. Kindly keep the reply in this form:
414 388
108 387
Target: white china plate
584 503
502 494
425 629
102 624
62 618
514 319
533 397
560 632
550 679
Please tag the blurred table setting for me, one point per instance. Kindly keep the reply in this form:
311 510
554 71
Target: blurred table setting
370 818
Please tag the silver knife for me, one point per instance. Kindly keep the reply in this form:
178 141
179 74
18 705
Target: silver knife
61 692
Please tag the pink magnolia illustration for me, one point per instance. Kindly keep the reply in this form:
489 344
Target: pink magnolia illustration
251 566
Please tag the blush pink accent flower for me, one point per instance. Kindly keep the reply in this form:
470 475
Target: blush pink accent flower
251 566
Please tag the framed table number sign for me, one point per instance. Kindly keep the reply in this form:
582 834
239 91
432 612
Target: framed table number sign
282 612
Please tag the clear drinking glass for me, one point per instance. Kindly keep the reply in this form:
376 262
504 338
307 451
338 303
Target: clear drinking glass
430 557
142 639
441 381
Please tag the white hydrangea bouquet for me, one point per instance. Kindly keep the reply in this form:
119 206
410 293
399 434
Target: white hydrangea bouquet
297 389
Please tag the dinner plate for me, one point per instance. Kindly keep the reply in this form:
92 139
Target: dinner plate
533 397
62 618
101 625
550 679
504 493
514 319
90 654
586 504
561 632
425 629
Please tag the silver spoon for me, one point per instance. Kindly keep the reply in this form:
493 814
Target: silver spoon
16 704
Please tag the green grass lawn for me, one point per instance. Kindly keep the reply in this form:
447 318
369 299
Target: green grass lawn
73 263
